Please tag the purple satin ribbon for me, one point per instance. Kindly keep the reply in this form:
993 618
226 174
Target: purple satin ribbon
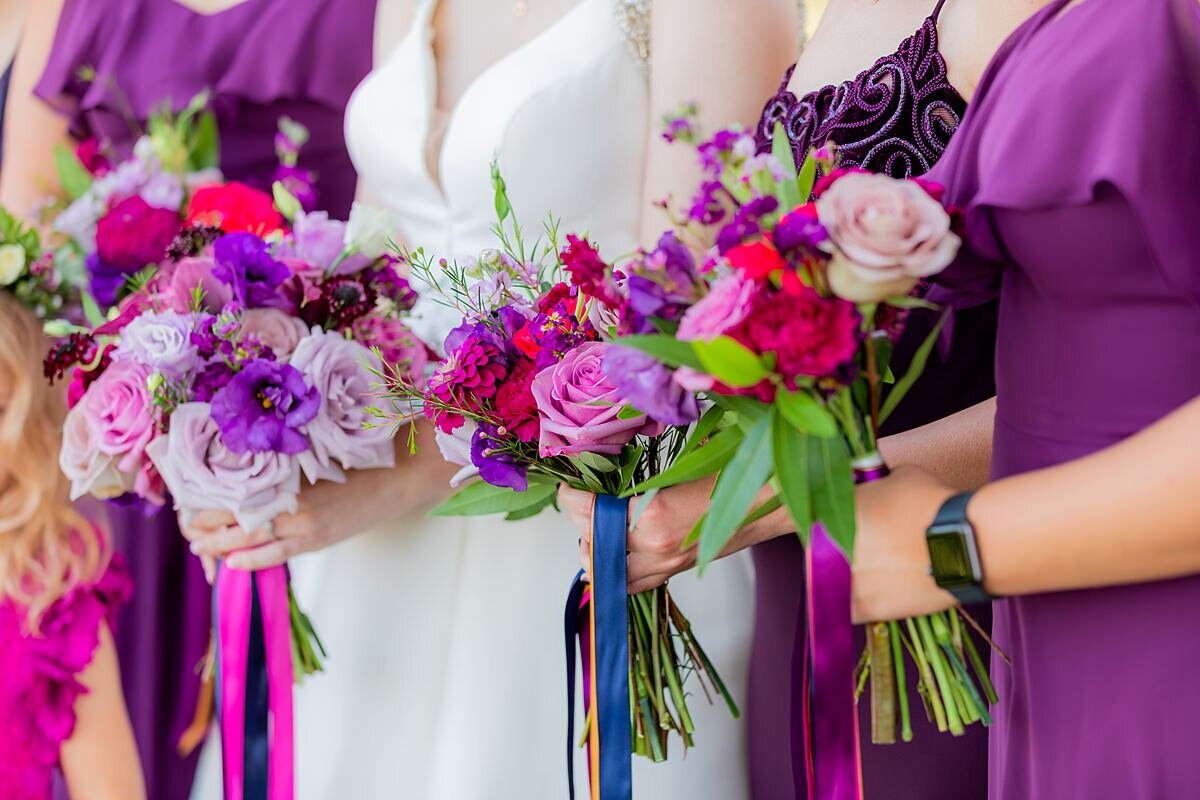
831 758
235 609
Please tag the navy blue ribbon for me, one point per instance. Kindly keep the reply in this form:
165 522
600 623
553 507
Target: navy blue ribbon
610 526
257 747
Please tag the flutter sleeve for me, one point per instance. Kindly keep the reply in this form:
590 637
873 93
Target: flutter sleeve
69 634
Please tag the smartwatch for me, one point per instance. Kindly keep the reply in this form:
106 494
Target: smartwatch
954 553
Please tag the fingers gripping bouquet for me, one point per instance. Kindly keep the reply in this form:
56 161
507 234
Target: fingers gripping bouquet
791 341
532 394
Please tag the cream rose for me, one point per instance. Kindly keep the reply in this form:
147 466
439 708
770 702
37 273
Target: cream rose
12 263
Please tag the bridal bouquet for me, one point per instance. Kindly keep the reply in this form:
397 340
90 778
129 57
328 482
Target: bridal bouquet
242 363
790 339
532 394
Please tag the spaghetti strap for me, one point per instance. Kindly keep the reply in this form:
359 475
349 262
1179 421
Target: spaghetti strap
937 10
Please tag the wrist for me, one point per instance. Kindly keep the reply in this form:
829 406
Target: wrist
952 548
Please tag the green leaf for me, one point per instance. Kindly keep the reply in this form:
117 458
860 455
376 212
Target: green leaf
730 362
285 201
206 144
481 498
667 326
699 463
530 511
597 462
806 414
737 487
791 470
789 190
808 176
629 412
747 410
910 301
91 310
703 429
72 175
629 462
767 508
915 368
667 349
831 484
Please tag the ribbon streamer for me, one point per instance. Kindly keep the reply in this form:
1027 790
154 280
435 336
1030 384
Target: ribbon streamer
254 683
831 756
604 647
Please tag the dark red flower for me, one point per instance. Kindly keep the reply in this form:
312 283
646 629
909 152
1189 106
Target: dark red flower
589 272
515 404
234 208
134 233
558 292
758 260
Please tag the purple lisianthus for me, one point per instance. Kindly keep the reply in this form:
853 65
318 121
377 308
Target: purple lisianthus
649 386
264 407
340 371
496 466
244 262
799 230
662 285
104 281
161 341
746 223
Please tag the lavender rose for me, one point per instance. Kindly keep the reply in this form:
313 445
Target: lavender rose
884 235
579 408
339 370
279 331
90 470
202 472
161 341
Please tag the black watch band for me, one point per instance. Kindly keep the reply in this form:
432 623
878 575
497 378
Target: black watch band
953 552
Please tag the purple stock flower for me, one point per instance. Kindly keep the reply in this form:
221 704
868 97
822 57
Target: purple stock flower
707 207
725 146
263 407
799 230
746 223
244 262
649 386
663 284
104 281
557 331
496 466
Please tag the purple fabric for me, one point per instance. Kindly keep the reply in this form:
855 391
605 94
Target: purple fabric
896 117
1091 241
262 59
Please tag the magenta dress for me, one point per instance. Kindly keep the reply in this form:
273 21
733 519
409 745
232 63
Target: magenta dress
262 60
41 679
1079 167
896 118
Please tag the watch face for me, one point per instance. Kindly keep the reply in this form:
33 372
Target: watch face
950 557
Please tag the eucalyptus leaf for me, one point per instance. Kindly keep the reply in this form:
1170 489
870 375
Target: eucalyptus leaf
730 362
667 349
737 487
699 463
481 498
831 486
915 368
806 414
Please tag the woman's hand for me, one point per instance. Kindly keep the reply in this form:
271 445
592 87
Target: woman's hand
891 578
656 543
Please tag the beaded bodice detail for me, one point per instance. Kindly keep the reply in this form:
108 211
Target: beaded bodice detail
895 118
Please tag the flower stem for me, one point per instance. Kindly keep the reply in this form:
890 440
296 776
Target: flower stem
931 693
936 661
883 687
906 732
981 671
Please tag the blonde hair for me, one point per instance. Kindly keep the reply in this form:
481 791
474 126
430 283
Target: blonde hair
46 547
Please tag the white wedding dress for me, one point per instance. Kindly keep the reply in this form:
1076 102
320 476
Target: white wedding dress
445 676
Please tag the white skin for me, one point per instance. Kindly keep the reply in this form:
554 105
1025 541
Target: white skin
12 15
726 56
851 36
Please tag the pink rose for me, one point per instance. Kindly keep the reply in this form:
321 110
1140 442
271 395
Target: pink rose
202 473
279 331
118 405
580 409
90 470
340 370
191 274
884 234
723 308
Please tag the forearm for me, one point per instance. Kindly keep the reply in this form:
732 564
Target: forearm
1127 514
957 449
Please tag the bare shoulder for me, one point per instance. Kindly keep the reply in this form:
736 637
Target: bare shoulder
971 31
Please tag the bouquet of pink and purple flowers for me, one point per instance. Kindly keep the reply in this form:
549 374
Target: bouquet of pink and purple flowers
532 393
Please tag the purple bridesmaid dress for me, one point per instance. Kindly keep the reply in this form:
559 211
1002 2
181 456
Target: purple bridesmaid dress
896 118
1079 167
262 59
